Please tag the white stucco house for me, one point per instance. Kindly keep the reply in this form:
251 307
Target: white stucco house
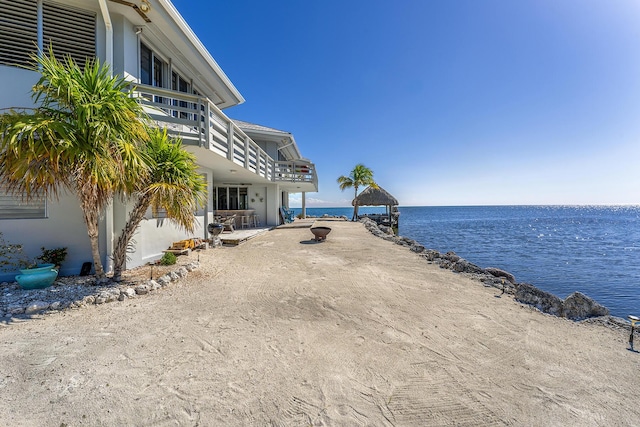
247 166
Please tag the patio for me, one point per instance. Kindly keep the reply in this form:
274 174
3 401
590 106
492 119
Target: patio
238 236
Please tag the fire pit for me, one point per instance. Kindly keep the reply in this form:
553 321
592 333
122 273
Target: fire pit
320 233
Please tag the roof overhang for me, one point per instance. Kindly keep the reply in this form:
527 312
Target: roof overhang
286 142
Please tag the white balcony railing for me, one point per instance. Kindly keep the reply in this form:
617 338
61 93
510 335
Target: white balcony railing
197 120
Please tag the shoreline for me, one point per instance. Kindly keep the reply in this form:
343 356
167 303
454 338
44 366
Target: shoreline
577 306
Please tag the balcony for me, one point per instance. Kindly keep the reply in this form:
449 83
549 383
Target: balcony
198 122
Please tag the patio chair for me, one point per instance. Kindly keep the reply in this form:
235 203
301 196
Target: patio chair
229 223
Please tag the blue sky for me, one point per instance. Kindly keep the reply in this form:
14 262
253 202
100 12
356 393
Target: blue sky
475 102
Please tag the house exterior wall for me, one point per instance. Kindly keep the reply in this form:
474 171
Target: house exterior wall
125 48
64 225
18 93
271 148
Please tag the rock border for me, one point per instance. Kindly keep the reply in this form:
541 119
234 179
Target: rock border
576 307
75 292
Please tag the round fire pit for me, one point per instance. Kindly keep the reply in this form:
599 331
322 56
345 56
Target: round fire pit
320 233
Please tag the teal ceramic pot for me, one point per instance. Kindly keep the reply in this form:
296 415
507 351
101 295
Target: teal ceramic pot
37 278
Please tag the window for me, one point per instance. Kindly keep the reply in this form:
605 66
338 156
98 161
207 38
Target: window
232 198
68 30
18 31
222 201
178 83
146 66
152 69
13 207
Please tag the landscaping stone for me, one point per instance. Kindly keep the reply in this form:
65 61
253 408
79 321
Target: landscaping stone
76 292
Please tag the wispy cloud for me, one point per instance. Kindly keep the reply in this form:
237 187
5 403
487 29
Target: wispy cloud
295 201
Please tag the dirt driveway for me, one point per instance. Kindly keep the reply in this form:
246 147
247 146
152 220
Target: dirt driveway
284 331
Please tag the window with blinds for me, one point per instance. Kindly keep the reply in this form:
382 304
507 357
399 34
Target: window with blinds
14 207
70 31
18 31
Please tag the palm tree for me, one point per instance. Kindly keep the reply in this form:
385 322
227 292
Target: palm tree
173 184
359 176
82 137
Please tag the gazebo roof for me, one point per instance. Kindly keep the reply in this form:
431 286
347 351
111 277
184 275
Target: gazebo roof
375 197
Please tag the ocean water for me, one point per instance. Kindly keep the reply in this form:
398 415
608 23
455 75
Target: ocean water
559 249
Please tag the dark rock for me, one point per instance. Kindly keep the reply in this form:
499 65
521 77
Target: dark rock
501 273
578 306
417 248
431 255
464 266
543 301
451 256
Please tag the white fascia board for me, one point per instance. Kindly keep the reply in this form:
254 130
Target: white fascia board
195 41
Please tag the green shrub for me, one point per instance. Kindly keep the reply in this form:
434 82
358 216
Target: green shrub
168 258
11 256
53 256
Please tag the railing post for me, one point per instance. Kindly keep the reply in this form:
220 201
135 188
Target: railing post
247 141
199 125
207 124
230 140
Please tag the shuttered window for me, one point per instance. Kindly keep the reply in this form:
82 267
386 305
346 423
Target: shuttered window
18 31
13 207
70 31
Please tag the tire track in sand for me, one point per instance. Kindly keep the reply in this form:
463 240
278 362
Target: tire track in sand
426 400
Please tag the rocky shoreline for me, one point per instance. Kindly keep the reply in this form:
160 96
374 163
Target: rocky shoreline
76 292
576 307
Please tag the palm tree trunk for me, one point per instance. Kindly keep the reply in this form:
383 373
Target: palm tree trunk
355 205
91 219
91 215
120 251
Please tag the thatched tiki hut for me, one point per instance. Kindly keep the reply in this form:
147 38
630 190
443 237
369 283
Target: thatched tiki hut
379 197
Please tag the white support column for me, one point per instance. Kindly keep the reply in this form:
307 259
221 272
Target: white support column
272 199
304 205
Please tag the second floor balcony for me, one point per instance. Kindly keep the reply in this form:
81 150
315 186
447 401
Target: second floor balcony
200 123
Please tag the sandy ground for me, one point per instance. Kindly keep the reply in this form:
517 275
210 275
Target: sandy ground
285 332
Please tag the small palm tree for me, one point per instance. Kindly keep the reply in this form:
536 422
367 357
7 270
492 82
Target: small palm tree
173 184
359 176
82 137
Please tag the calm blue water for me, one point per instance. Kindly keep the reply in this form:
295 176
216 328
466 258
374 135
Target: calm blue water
560 249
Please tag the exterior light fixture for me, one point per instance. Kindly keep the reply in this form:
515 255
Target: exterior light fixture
634 320
145 6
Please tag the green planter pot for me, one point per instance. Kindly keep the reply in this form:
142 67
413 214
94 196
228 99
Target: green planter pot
37 278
